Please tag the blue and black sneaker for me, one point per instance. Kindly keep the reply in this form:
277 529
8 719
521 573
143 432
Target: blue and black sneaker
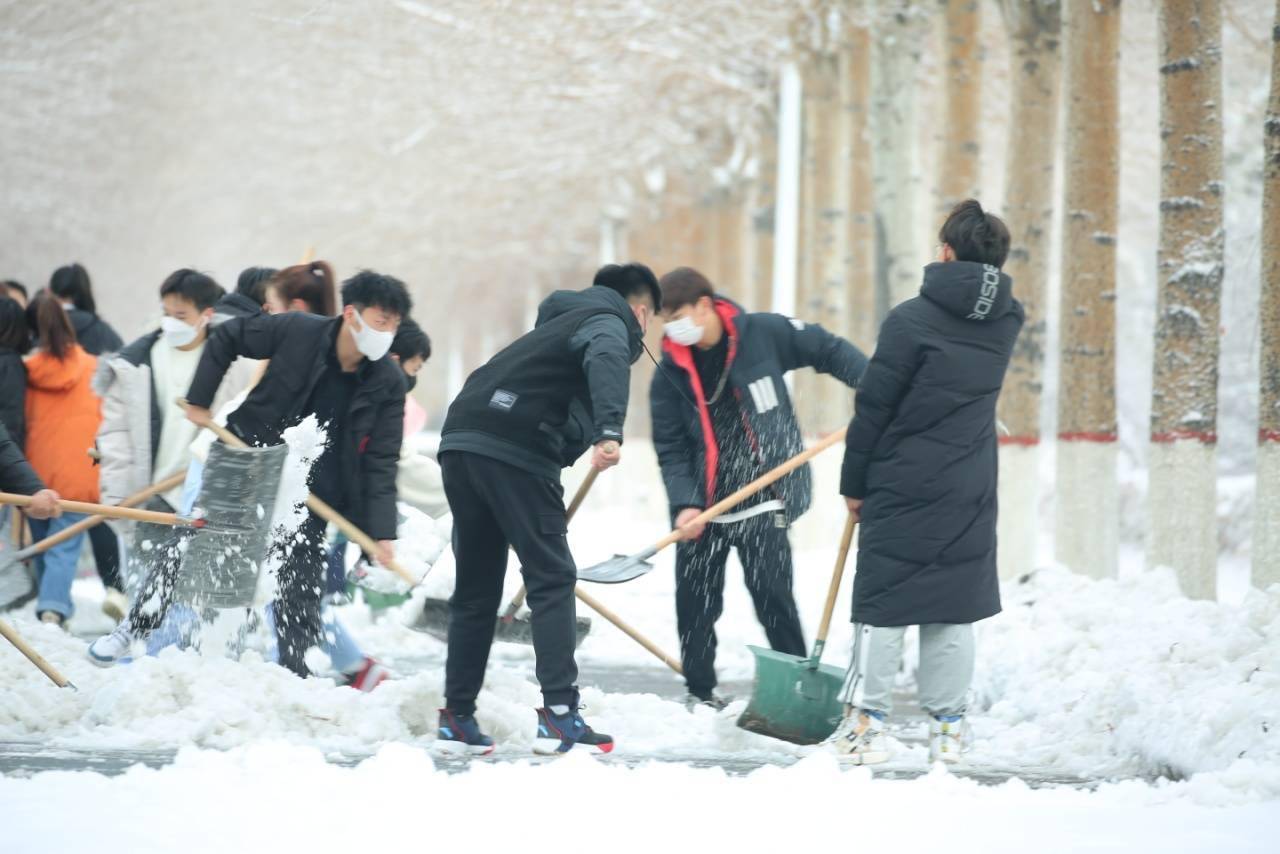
461 734
559 733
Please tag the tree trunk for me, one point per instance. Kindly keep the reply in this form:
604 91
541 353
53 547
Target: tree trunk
1181 494
895 55
855 82
761 201
1035 61
1266 529
959 169
1087 529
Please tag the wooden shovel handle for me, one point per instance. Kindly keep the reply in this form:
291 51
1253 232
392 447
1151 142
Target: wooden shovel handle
601 609
34 657
581 495
846 540
107 510
320 508
753 487
85 524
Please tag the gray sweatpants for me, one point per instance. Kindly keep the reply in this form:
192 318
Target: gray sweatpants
946 667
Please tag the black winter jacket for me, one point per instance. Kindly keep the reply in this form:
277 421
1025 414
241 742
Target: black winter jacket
762 348
235 305
16 474
296 344
93 333
13 395
554 391
921 451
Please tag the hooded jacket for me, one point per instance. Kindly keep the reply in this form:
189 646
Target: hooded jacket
541 401
921 451
93 333
762 348
16 474
63 415
13 392
298 344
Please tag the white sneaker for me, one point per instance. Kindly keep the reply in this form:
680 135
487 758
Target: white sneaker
109 649
860 739
948 738
115 604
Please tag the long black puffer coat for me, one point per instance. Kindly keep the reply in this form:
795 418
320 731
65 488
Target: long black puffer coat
922 451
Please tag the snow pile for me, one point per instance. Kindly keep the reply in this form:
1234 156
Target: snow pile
265 797
1128 676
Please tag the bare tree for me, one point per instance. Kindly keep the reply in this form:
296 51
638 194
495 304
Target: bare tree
761 201
1266 531
1184 399
1087 524
855 96
1035 64
959 168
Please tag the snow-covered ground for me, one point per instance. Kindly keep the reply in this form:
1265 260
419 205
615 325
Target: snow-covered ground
1116 680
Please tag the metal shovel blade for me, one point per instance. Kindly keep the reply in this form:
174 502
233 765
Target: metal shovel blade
793 699
433 620
238 496
619 568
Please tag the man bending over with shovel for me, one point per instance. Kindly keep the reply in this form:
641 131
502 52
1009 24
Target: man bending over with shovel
332 368
721 418
920 471
504 441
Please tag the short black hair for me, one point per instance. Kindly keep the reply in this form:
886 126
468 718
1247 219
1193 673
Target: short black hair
14 333
975 235
410 341
193 286
368 289
630 280
71 283
253 283
685 286
10 284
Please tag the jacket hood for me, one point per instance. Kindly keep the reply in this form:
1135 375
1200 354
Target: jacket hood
562 302
234 305
82 320
968 290
46 373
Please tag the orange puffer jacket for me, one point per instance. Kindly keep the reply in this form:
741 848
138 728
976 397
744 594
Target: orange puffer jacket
63 415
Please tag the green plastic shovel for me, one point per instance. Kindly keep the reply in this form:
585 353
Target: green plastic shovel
798 699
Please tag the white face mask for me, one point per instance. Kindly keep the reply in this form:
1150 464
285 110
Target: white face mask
179 333
370 342
683 331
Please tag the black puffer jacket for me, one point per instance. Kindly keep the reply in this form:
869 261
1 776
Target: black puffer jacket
296 343
762 349
13 394
921 451
16 474
93 333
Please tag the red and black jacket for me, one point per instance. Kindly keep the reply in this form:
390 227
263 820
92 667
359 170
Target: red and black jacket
762 349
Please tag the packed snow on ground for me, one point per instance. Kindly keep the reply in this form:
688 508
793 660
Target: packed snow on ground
1106 679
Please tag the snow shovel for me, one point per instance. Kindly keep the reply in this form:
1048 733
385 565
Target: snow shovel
239 486
434 619
798 699
320 508
621 568
111 511
34 657
17 582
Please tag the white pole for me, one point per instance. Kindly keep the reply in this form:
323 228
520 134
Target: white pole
786 223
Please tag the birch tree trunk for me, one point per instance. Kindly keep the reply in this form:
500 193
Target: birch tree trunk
959 168
1035 61
1266 528
896 53
1087 525
1183 532
855 82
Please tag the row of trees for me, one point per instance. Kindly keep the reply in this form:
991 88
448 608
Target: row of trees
822 220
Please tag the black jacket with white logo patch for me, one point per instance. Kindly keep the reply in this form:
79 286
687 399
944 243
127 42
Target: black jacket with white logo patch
762 349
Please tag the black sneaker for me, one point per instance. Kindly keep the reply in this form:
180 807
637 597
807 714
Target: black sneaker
559 733
461 734
712 701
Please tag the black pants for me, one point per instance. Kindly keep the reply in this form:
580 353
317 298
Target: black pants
106 555
300 585
495 505
765 554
